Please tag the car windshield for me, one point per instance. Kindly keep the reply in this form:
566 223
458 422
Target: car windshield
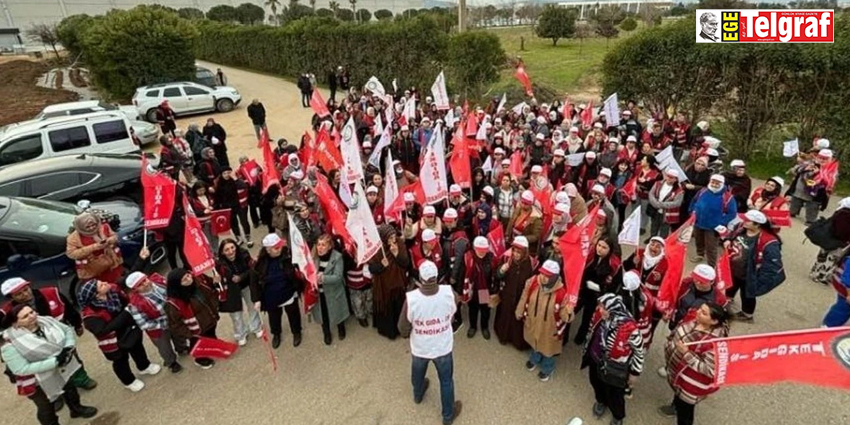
43 217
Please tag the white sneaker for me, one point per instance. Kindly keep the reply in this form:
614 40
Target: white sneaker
136 386
662 372
153 369
259 334
242 342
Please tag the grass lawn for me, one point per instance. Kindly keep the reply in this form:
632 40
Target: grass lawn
568 68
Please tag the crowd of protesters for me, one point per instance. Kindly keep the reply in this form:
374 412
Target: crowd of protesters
437 258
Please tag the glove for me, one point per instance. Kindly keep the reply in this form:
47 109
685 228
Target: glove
65 356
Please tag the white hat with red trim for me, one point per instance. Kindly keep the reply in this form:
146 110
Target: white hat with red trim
481 243
550 268
428 235
605 172
527 197
450 214
409 198
455 190
520 242
134 279
562 208
704 273
537 169
429 211
15 284
272 240
428 271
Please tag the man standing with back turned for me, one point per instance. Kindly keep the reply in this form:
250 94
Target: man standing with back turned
427 319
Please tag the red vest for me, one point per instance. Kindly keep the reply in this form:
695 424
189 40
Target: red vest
775 204
671 215
88 240
187 314
621 350
560 302
250 172
418 256
108 343
689 380
242 194
652 282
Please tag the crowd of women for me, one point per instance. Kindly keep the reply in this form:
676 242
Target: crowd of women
616 309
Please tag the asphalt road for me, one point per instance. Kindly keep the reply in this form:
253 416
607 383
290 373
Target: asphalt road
366 378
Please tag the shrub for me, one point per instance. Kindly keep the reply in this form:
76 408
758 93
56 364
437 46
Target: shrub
223 13
190 13
382 14
556 23
70 32
364 15
629 24
473 61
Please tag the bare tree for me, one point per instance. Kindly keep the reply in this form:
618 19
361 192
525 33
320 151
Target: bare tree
44 34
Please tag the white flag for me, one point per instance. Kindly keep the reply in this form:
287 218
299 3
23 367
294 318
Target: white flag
388 112
379 125
438 90
482 131
519 107
790 148
350 150
612 111
301 255
409 111
386 137
395 85
450 118
433 172
575 159
344 190
375 86
361 225
393 203
488 165
666 161
630 235
502 103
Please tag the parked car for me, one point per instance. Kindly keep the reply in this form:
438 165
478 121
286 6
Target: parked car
97 132
185 98
71 178
204 76
144 131
33 232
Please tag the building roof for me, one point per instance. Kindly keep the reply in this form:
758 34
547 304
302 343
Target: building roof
13 31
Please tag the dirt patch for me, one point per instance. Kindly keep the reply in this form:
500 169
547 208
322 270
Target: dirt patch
17 83
76 79
60 78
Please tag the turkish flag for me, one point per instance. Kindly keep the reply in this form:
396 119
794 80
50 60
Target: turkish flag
220 221
335 212
522 76
829 174
818 357
542 191
630 188
496 237
459 162
587 115
271 175
320 107
675 249
724 271
212 348
778 218
196 247
575 247
160 191
516 165
416 189
305 151
327 153
568 110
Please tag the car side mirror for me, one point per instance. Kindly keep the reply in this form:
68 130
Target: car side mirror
19 263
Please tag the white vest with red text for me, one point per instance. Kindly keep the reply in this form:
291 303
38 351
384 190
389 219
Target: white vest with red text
431 317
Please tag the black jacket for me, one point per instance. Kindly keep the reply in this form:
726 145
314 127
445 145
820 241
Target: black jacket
257 113
215 130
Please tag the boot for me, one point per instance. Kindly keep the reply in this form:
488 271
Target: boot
276 341
363 322
58 404
81 411
296 340
341 329
328 339
249 242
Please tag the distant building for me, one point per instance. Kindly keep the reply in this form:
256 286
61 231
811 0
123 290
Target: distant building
587 7
10 39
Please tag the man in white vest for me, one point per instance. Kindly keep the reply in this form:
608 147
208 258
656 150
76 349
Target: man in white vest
427 319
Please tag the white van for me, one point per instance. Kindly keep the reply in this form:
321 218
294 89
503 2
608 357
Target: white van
97 132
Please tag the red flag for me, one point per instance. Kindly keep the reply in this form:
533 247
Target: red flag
724 271
320 107
778 218
196 247
160 191
269 349
587 115
829 174
416 189
303 258
675 249
327 153
630 188
575 247
459 162
264 138
335 212
305 151
811 356
542 190
270 174
471 126
522 76
569 108
220 221
212 348
516 164
496 237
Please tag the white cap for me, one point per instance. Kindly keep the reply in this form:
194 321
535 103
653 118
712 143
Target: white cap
559 152
672 173
429 210
597 125
825 153
718 177
736 163
371 189
631 138
704 273
450 214
627 112
367 144
755 216
428 235
571 189
536 169
822 144
498 151
562 197
703 125
573 129
598 188
539 136
601 213
506 161
455 189
590 154
297 175
488 190
428 270
631 280
711 152
527 197
426 119
582 106
481 243
778 180
550 268
409 197
520 242
605 172
13 285
562 208
272 240
135 278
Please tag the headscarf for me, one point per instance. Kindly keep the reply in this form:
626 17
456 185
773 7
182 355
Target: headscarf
176 289
648 260
617 313
844 203
87 296
484 225
84 220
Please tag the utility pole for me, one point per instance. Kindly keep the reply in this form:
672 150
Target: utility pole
461 16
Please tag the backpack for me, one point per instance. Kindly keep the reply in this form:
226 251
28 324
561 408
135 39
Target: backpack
820 233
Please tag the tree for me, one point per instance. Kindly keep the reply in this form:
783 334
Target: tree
383 14
607 18
313 5
345 15
223 13
353 7
273 5
296 11
325 13
651 15
45 34
190 13
250 14
473 60
583 31
126 49
364 15
556 23
70 32
409 13
608 30
628 25
334 5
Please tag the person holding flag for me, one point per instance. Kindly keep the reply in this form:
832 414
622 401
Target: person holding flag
769 197
479 265
192 310
665 203
641 304
276 288
511 277
251 173
389 279
651 265
695 290
147 306
527 221
455 243
232 193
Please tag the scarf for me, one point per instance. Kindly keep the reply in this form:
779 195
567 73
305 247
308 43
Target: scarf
649 261
145 304
35 348
85 220
617 314
87 296
484 225
176 289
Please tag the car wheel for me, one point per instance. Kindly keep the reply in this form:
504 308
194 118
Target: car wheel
224 105
158 255
151 115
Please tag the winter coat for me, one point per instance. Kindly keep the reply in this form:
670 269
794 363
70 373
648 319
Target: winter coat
204 305
540 329
242 266
532 230
333 287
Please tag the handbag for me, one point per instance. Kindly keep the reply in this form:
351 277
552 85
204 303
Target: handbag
820 233
614 373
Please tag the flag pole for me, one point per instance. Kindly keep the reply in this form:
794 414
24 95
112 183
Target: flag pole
145 237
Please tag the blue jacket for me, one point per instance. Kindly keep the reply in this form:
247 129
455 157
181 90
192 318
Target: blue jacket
709 208
764 266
